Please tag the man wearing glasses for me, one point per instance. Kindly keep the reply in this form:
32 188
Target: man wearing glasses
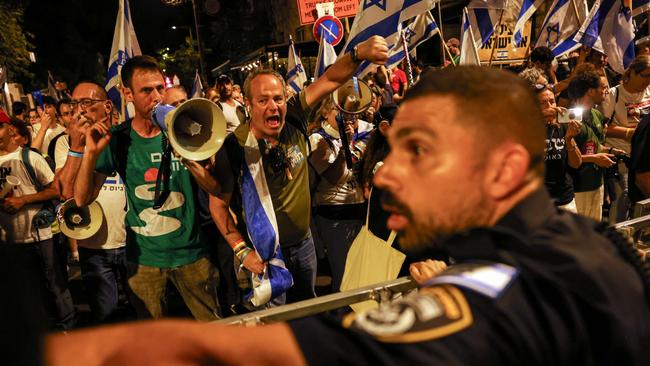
102 257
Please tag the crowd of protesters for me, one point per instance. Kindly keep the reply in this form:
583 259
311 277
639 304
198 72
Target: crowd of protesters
77 148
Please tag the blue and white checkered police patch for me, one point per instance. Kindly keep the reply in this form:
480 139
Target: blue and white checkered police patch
489 279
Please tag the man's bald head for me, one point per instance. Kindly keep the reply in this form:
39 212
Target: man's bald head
97 89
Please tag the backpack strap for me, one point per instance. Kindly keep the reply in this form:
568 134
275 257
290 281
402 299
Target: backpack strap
122 136
51 148
24 155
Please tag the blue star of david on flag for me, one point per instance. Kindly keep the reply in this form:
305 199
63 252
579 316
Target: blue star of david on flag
380 3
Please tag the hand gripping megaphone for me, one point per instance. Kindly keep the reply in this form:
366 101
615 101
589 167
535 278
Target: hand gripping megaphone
351 99
196 129
79 222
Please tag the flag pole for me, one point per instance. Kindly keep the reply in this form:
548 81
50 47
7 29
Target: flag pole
407 57
496 37
442 39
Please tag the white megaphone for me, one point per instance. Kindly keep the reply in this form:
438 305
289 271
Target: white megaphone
353 97
196 129
79 222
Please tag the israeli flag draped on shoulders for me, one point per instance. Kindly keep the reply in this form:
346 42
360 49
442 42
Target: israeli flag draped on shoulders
262 228
326 57
609 27
468 51
197 87
526 11
125 45
382 18
560 26
296 76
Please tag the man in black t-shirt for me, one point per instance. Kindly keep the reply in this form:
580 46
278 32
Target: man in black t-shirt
561 151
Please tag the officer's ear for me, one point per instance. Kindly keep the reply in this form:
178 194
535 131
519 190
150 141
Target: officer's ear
506 170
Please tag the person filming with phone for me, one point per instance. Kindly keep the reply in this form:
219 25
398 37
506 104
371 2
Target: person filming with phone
561 151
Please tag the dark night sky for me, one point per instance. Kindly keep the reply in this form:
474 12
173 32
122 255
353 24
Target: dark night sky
73 37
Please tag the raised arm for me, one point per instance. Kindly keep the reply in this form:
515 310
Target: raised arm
374 49
88 181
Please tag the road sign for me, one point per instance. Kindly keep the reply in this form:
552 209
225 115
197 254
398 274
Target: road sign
342 9
330 28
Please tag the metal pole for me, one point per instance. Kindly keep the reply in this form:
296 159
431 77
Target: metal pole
442 38
496 37
409 70
198 40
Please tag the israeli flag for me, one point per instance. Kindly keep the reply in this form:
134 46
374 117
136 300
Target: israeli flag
483 16
468 49
383 18
640 6
197 87
560 26
526 11
262 228
51 89
609 26
296 76
422 28
326 57
125 45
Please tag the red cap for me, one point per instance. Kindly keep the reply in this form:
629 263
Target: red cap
4 118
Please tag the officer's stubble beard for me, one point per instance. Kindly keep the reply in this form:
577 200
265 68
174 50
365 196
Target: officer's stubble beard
473 209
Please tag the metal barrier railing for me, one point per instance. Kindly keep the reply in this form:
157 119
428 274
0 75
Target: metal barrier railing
379 292
636 229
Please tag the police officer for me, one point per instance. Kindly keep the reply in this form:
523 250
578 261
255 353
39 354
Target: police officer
531 284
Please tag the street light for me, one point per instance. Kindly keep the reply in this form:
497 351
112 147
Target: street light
196 26
189 29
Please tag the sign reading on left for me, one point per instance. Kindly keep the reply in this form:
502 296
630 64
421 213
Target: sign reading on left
342 9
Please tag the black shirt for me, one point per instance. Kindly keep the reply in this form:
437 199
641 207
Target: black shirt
564 296
640 158
556 159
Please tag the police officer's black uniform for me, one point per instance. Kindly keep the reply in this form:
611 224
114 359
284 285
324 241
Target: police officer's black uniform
541 288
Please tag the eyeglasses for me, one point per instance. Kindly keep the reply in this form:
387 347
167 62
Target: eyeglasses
84 103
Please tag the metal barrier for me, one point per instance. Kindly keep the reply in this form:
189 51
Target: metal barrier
380 292
636 229
384 291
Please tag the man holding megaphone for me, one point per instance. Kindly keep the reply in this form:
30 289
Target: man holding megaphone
263 163
163 235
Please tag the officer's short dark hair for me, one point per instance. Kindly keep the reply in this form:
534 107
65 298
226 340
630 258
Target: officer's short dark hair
581 83
142 62
18 107
542 54
496 105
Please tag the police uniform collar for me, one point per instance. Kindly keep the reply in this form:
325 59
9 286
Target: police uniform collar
524 218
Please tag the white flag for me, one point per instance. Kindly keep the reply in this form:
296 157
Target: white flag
326 57
296 76
197 88
125 45
609 27
468 48
561 25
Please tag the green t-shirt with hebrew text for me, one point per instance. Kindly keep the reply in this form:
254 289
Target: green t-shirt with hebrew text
169 236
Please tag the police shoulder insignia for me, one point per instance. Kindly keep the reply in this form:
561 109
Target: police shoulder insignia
431 313
488 279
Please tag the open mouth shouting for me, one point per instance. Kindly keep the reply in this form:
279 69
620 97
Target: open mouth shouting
273 121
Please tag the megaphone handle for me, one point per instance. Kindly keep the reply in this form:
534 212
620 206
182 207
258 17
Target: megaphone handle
344 140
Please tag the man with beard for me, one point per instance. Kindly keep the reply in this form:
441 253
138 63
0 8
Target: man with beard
233 110
531 284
